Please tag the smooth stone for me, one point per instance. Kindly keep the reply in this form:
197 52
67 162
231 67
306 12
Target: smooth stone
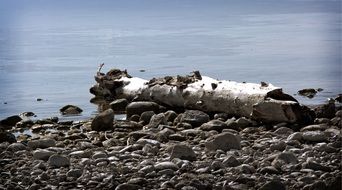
127 186
103 121
41 143
166 165
42 154
319 127
58 161
156 120
223 141
315 166
314 136
170 115
119 104
183 152
143 142
280 145
231 161
147 169
74 173
16 147
80 154
283 131
146 117
99 155
269 170
273 185
243 122
295 136
194 117
284 158
137 108
216 125
70 110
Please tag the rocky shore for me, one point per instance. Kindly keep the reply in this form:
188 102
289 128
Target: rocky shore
158 148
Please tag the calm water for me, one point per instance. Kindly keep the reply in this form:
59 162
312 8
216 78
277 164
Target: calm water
51 50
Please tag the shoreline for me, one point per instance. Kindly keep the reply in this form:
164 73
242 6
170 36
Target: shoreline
169 150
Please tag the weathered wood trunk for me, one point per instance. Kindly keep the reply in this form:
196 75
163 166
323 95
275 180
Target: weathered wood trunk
263 102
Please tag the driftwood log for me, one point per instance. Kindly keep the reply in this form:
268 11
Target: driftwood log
263 102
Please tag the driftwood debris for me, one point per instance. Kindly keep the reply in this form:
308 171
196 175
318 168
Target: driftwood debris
262 102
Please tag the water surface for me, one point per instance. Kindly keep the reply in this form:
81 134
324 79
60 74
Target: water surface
51 49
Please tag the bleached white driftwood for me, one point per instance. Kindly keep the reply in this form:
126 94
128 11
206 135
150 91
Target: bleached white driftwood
263 102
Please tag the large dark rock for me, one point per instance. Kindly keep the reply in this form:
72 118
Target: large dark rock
7 137
103 121
10 121
119 104
326 110
70 110
194 117
308 92
146 117
139 107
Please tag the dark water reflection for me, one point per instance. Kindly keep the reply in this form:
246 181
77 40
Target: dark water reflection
51 50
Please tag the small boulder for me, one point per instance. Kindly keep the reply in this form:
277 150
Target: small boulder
224 141
42 154
272 185
314 136
284 158
156 120
231 161
74 173
146 117
127 186
27 114
9 122
310 164
58 161
139 107
170 115
325 110
216 125
119 104
70 110
166 165
194 117
183 152
16 147
7 137
308 92
41 143
103 121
